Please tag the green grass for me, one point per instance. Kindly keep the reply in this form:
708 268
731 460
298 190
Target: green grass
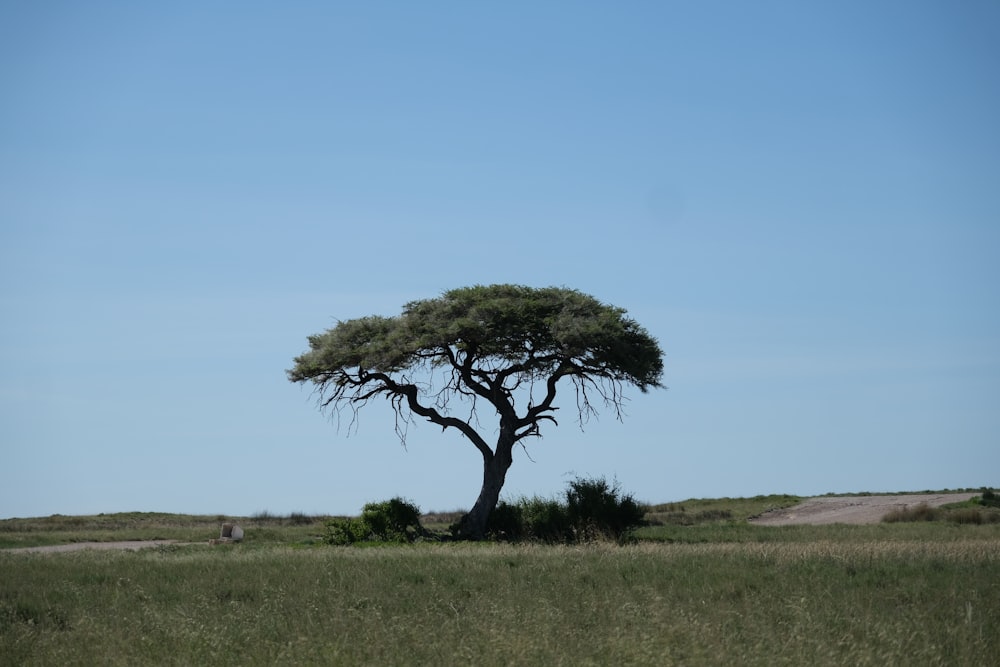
61 529
716 591
744 533
851 599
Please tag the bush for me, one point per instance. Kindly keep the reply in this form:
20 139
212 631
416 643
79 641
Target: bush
989 498
346 531
599 509
535 518
593 509
547 520
394 520
506 522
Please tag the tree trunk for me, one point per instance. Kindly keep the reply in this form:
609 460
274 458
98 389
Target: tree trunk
472 526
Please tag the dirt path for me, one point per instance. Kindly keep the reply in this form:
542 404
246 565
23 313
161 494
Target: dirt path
131 545
853 509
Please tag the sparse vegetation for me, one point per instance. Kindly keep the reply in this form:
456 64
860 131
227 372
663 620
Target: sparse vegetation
967 512
704 511
60 529
921 512
966 516
265 518
989 498
977 510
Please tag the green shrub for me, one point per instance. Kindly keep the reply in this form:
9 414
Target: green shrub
599 509
342 531
547 520
506 522
394 520
593 509
989 498
537 519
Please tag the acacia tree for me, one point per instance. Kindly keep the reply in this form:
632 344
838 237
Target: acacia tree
501 348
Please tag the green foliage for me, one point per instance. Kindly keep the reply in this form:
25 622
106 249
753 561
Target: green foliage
394 520
989 498
546 520
592 509
599 509
506 522
343 531
531 519
536 329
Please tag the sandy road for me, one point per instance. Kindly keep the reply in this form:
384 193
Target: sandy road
853 509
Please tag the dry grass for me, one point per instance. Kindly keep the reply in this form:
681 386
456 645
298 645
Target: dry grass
845 598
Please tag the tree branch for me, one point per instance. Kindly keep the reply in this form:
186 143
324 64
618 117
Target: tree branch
537 412
411 393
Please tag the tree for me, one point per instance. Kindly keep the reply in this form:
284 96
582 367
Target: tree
505 347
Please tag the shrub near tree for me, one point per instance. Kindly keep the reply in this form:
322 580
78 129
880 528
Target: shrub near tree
591 509
599 509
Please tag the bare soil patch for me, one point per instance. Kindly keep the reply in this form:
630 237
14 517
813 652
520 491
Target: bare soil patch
128 545
853 509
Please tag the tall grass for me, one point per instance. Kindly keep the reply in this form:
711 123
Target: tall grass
846 598
958 513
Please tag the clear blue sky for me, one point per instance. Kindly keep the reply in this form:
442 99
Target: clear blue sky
801 201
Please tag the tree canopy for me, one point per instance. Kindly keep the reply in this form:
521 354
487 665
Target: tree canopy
507 346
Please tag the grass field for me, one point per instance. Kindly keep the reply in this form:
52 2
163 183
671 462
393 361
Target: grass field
721 592
60 529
